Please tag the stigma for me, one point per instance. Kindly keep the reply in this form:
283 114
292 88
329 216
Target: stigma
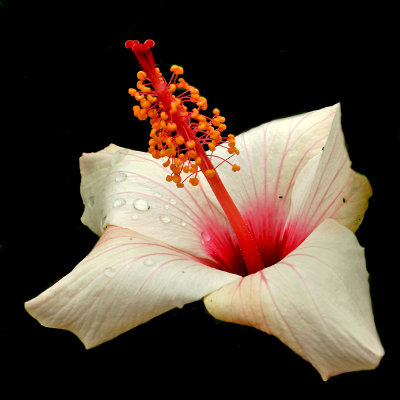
180 132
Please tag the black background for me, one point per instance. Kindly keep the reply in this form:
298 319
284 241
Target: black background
64 89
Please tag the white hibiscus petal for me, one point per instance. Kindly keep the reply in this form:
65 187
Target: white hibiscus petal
318 190
126 280
272 155
354 202
127 188
316 300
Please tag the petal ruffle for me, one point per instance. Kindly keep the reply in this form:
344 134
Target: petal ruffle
316 300
126 280
127 188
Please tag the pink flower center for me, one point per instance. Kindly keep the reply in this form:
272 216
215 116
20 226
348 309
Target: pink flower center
274 239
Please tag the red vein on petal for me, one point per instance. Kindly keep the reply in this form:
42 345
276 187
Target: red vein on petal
307 289
311 147
338 276
279 311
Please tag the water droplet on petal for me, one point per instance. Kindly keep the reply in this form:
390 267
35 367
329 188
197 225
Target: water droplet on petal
118 156
157 194
141 205
183 223
165 219
135 216
109 272
91 201
121 177
172 201
166 206
149 262
206 236
119 203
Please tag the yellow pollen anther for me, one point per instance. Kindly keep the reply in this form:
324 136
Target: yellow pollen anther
235 167
232 150
194 181
176 178
209 173
176 69
216 111
192 154
136 110
190 144
141 75
142 115
168 178
202 126
151 99
132 91
171 127
179 140
198 160
180 185
139 96
195 113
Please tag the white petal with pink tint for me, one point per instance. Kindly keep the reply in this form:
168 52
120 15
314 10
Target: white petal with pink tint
354 202
272 155
316 300
127 188
126 280
318 191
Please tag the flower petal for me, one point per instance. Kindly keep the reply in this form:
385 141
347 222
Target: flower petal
354 202
316 300
271 158
126 280
318 190
127 188
272 155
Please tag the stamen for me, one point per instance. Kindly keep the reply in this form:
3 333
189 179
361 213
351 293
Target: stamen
181 136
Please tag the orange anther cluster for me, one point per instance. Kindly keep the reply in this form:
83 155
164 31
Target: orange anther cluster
176 132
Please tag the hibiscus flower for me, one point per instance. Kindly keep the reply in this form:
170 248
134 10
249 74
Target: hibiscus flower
297 272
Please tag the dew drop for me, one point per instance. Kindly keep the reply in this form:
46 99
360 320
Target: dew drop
109 272
119 203
165 219
121 177
157 194
206 236
141 205
166 206
134 216
91 201
183 223
148 262
172 201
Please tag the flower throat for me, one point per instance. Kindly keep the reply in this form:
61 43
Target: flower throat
179 135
